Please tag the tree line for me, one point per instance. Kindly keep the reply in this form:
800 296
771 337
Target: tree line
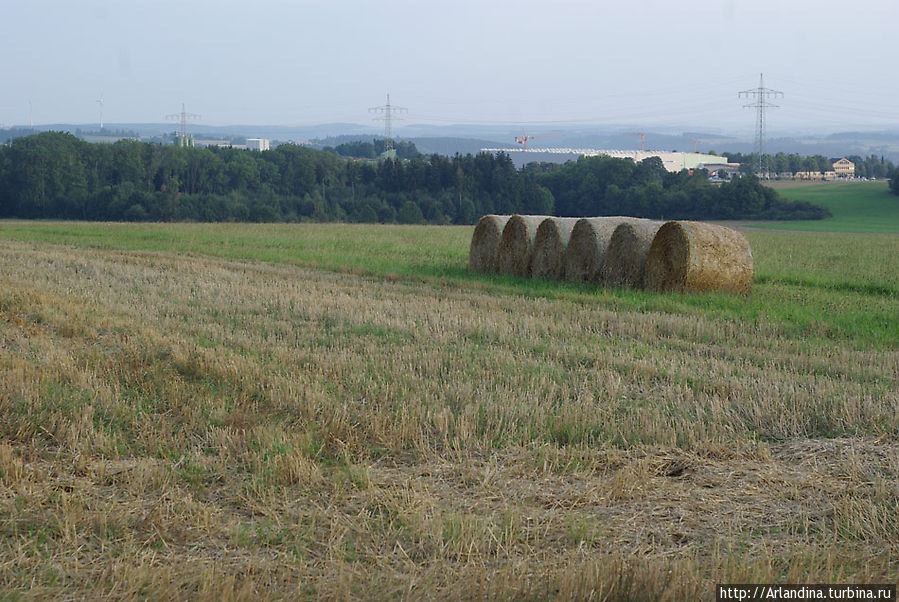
360 149
56 175
607 186
872 166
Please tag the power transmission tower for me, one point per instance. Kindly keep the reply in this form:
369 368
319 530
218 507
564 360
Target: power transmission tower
183 116
388 112
761 94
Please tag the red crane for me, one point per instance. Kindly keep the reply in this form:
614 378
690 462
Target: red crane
523 139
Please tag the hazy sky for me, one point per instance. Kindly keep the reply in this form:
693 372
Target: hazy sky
290 62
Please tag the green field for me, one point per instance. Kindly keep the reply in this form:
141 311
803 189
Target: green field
856 207
233 411
848 284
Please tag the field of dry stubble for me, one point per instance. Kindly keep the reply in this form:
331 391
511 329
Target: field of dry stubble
189 426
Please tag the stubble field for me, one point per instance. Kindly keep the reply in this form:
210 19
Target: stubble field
326 411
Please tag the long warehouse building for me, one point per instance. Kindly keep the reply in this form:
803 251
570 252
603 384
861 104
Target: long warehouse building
673 161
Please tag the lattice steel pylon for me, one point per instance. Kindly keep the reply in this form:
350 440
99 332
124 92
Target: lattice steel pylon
388 116
761 94
183 116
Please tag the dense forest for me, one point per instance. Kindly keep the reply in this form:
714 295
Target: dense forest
56 175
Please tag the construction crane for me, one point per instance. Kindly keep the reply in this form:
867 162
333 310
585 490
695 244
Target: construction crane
642 138
523 139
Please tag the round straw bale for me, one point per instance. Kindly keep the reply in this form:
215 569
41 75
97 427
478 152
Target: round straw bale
482 252
625 258
695 257
550 242
513 254
587 247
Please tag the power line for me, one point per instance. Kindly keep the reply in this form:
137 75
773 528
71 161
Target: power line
388 111
761 94
184 117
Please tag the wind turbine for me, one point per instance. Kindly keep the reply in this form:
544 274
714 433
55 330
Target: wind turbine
100 102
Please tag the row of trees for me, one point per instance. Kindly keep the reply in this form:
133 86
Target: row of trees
872 166
56 175
371 150
607 186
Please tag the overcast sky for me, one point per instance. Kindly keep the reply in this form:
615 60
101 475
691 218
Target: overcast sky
291 62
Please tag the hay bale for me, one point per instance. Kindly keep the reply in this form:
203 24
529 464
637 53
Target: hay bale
695 257
625 259
550 242
513 254
482 252
587 247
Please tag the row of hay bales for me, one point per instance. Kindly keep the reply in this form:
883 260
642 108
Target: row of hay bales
615 251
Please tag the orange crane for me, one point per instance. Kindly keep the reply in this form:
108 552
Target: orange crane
523 139
642 138
695 140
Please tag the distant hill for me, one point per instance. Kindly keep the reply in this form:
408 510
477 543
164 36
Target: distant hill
425 145
465 139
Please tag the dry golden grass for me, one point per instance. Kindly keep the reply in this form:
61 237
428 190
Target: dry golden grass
184 427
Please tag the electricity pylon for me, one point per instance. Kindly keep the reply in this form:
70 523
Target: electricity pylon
183 116
388 111
761 95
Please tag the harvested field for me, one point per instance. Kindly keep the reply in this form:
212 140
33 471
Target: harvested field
484 241
696 257
550 244
625 260
587 247
179 425
516 246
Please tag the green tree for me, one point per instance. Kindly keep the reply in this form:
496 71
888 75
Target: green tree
55 175
410 213
467 213
48 176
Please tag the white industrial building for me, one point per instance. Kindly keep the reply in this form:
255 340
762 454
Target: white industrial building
673 161
259 144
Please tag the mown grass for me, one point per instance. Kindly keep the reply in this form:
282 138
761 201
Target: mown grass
306 414
862 207
840 287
